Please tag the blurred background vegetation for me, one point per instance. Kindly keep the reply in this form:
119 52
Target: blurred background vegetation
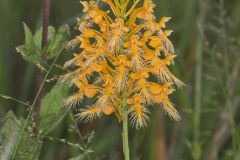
207 40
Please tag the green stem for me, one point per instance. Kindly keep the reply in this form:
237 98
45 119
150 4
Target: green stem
125 128
198 82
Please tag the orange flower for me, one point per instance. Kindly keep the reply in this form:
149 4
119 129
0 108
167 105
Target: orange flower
122 49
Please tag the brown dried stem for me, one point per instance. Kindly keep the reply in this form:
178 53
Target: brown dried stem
40 73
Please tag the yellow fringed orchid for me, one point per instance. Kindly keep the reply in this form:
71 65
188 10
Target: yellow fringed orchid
122 48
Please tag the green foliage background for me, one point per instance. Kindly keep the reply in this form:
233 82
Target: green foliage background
207 40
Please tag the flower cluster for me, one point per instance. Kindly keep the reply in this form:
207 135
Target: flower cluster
124 51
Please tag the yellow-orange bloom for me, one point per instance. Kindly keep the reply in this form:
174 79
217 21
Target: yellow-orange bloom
122 50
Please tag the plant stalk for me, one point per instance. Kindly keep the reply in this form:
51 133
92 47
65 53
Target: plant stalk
40 74
197 149
125 128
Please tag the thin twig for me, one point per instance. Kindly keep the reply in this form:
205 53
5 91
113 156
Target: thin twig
14 99
79 134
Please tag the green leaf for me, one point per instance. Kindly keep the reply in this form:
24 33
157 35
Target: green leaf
52 108
56 41
38 36
9 134
29 41
30 51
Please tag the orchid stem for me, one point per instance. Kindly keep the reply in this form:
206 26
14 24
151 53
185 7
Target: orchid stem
125 128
